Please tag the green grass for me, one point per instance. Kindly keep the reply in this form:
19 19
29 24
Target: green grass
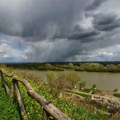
117 95
34 110
74 111
8 111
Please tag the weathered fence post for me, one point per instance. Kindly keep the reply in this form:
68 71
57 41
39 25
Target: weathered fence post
20 100
12 91
45 115
5 83
50 111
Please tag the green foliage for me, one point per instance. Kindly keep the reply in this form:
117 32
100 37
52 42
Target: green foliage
117 95
96 67
60 81
75 112
90 67
72 78
70 66
81 85
8 111
55 82
34 110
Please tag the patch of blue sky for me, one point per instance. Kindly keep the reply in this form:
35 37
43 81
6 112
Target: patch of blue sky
2 35
11 60
18 46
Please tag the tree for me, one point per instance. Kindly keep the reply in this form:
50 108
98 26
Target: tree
48 66
82 85
72 79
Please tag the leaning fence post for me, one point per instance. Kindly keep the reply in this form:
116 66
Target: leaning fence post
12 91
45 115
48 108
5 83
0 76
20 100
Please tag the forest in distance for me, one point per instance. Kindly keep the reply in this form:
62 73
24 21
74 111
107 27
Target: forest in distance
76 66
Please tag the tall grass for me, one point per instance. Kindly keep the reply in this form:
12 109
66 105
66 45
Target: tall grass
8 110
34 110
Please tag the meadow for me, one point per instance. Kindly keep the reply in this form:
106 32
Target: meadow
53 91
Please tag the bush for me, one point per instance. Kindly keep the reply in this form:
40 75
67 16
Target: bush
34 110
60 81
117 95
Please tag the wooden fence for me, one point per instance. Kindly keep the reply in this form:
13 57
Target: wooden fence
48 108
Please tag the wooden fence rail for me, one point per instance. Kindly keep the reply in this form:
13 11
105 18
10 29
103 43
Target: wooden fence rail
48 108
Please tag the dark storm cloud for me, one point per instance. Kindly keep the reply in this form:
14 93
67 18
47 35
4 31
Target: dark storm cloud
49 19
106 22
78 34
57 30
59 50
95 4
84 36
42 18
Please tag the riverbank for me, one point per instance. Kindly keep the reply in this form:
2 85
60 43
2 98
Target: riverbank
75 111
103 81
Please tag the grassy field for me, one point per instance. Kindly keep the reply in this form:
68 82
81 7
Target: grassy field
34 110
8 111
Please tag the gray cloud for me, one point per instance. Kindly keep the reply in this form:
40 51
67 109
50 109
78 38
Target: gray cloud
84 36
40 18
95 4
58 30
106 22
60 50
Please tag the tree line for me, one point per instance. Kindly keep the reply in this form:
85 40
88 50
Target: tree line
90 67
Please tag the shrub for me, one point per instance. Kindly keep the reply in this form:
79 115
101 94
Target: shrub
117 95
72 79
60 81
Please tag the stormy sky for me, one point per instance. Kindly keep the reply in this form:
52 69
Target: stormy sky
59 30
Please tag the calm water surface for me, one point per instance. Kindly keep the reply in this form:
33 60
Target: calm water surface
103 81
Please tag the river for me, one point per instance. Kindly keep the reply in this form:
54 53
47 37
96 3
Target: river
103 81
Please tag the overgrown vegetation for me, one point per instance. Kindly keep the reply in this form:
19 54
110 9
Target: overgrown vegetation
117 95
73 110
57 82
8 110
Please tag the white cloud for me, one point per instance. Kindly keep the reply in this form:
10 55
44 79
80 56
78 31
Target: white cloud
8 51
10 48
105 54
85 22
